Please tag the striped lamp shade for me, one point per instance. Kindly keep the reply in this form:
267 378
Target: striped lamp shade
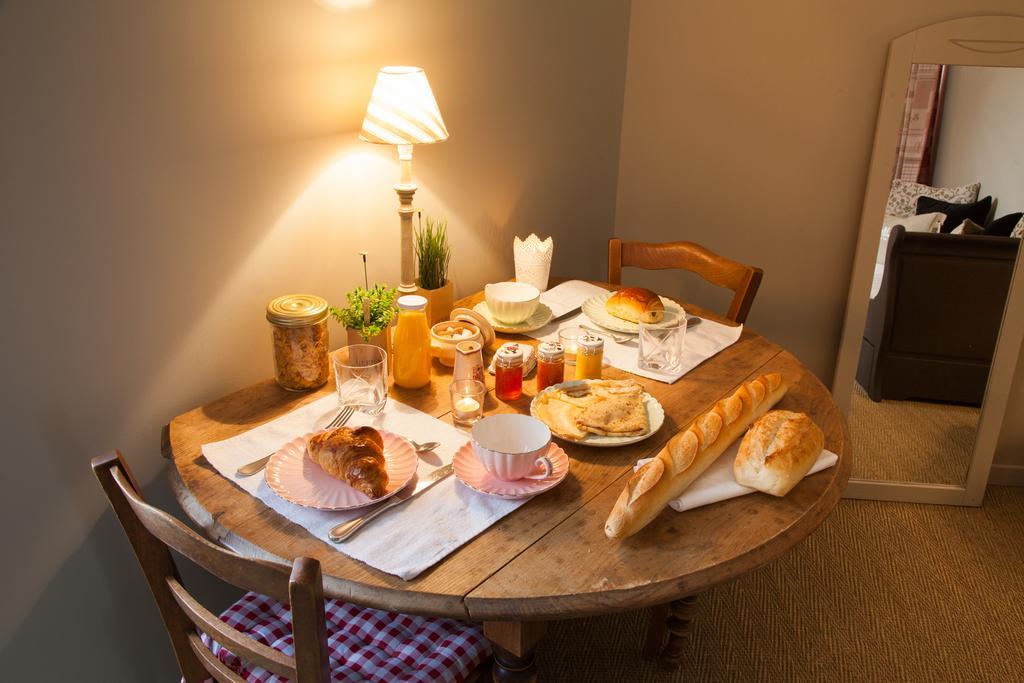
402 109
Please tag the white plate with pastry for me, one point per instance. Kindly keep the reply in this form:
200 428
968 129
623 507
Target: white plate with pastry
540 317
598 412
342 469
621 311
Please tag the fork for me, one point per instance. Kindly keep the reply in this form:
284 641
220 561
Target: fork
255 466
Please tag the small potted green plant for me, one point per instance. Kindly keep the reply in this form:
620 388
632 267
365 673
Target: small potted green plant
432 256
368 314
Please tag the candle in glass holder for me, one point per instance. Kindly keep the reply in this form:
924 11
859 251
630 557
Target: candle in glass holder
569 339
467 400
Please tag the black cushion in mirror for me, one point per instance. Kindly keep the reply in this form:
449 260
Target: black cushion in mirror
956 213
1004 225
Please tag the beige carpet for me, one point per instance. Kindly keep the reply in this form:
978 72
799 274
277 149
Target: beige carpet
911 440
881 592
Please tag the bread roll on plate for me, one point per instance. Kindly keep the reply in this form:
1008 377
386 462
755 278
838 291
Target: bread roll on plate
778 451
636 305
689 453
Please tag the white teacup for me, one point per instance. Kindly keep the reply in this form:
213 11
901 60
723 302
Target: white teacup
512 446
511 302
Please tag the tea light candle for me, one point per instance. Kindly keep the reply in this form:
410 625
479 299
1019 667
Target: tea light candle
466 406
467 400
569 338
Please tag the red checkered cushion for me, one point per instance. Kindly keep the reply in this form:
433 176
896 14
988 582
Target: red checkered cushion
363 644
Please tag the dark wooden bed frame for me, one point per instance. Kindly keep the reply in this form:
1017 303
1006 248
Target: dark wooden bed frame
932 328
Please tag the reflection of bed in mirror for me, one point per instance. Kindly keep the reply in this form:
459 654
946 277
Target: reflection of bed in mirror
933 323
932 333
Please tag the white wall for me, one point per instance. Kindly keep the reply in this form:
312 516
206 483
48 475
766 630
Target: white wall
982 137
170 166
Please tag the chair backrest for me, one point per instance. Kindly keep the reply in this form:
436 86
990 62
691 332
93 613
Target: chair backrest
743 280
153 533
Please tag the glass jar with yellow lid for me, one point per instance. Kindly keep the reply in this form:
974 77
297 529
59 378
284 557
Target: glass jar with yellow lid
299 324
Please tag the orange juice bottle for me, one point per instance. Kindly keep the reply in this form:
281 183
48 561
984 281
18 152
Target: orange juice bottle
412 343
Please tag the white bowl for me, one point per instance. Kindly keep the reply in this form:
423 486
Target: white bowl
511 302
443 346
509 445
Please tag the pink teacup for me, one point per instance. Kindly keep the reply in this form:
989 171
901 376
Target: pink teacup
511 446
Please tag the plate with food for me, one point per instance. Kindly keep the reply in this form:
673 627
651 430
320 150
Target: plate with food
622 311
598 412
341 469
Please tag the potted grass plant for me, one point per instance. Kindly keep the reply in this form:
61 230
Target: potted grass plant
433 253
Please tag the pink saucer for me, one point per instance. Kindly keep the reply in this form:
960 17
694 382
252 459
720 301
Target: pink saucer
471 472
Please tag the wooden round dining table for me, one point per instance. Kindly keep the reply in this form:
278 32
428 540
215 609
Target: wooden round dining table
549 559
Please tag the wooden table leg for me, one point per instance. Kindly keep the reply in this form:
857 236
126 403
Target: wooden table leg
657 628
514 643
680 613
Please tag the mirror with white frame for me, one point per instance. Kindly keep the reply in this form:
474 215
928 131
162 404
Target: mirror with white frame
931 335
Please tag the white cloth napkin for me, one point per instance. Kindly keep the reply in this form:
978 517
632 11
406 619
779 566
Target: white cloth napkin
718 483
403 541
569 295
701 342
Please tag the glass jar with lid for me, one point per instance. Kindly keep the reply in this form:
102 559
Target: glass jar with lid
508 372
550 365
589 357
299 326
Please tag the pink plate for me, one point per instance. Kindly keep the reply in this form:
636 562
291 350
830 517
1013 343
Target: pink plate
296 478
471 472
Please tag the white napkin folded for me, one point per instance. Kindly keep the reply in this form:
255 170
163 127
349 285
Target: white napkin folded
701 342
718 483
403 541
569 295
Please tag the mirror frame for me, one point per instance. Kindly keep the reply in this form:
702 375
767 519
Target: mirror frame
972 41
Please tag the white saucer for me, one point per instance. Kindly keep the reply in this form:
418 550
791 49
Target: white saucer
541 317
471 472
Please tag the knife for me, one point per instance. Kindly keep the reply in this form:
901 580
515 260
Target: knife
346 529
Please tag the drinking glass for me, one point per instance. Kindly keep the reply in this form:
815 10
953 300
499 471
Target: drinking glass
661 343
361 376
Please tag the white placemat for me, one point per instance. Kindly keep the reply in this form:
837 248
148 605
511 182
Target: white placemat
701 342
718 482
403 541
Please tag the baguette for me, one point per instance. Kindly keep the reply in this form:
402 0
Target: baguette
778 451
689 453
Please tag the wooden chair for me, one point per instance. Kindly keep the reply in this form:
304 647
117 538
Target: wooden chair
153 533
743 280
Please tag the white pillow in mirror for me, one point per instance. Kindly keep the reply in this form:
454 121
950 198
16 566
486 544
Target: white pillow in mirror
1018 230
926 222
903 196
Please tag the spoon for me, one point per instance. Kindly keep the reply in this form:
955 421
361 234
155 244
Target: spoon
424 447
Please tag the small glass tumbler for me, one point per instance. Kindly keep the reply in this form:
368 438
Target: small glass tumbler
569 338
467 401
661 343
361 377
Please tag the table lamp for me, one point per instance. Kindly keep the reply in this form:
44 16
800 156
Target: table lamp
403 112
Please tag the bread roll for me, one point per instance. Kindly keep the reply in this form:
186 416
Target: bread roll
778 451
689 453
636 305
355 456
